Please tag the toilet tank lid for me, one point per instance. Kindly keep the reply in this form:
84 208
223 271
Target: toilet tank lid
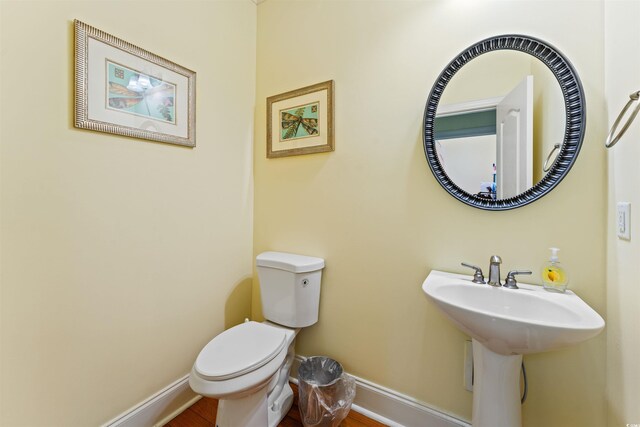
289 262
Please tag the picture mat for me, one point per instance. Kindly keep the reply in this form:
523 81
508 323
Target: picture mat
312 141
99 52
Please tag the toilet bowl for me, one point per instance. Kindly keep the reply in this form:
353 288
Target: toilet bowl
247 367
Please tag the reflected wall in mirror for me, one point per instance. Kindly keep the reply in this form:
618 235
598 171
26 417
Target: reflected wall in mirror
473 153
495 115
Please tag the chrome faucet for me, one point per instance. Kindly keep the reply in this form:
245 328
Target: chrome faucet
494 274
494 271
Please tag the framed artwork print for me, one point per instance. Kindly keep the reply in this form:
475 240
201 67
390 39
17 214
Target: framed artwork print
300 121
126 90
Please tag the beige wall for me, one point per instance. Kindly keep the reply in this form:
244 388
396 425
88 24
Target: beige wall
373 210
121 258
622 72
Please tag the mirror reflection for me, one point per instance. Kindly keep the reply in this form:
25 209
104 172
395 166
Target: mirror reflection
497 123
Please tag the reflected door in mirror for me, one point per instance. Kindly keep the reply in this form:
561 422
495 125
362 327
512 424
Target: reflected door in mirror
514 141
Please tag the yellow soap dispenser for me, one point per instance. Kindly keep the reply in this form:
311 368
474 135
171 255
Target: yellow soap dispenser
554 276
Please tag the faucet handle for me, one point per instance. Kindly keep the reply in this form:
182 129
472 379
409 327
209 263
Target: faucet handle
510 282
478 277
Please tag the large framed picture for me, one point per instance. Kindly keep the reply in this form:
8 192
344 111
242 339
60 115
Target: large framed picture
126 90
300 121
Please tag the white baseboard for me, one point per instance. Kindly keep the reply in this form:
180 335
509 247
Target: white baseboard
372 400
158 409
392 408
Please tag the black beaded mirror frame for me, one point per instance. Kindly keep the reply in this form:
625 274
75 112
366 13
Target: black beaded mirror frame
575 118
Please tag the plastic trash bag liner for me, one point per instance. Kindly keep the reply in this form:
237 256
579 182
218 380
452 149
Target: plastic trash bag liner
325 392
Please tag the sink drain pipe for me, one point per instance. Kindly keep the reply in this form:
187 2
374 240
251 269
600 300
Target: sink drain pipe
524 394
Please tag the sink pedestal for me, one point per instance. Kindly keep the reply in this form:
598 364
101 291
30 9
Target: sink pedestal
496 388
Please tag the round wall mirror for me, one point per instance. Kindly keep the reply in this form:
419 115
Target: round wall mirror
504 122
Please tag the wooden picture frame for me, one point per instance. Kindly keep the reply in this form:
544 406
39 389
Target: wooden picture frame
301 121
125 90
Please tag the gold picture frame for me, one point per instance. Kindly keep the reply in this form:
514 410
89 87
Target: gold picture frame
301 121
125 90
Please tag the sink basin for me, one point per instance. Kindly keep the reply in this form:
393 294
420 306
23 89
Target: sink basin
505 324
513 321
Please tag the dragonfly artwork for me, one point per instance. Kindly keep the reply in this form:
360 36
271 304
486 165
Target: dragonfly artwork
299 122
132 92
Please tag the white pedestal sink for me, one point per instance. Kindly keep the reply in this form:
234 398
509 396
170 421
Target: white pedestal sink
505 324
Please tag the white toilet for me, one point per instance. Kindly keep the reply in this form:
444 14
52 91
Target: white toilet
247 367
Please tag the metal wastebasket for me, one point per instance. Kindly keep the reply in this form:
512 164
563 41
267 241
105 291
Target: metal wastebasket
325 392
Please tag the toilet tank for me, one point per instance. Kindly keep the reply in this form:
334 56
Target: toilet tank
290 288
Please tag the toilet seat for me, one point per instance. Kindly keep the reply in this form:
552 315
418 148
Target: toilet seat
239 350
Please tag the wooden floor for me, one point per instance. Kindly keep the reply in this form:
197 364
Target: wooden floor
203 414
